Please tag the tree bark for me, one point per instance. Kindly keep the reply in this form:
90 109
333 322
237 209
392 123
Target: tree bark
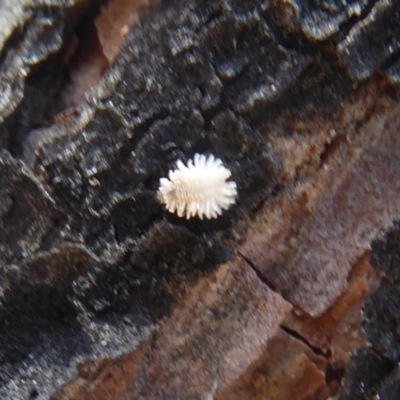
104 294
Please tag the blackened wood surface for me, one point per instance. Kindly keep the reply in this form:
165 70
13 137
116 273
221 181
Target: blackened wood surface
89 259
374 371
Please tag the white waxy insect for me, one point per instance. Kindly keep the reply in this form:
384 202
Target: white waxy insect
199 189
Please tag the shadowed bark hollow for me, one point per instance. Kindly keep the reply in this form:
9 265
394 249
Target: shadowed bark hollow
292 293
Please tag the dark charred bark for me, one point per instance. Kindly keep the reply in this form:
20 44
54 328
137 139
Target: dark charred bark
298 98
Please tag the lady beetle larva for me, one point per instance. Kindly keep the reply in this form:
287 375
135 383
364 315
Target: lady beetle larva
199 189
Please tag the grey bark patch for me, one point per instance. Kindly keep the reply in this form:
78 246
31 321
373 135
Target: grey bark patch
195 77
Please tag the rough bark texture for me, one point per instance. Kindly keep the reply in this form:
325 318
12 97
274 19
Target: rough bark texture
374 371
105 295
